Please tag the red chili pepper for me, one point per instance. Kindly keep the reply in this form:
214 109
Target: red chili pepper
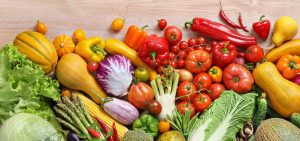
227 20
220 32
241 23
115 132
223 54
262 28
154 50
104 127
94 133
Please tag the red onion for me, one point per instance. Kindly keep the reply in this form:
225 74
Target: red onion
297 79
240 60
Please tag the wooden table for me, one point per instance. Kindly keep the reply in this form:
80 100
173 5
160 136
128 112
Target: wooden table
95 16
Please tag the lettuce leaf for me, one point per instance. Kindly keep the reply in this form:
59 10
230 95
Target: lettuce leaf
23 86
224 118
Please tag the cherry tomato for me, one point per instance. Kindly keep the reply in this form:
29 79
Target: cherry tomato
201 40
214 43
208 48
175 49
202 81
216 90
154 107
180 63
198 47
164 125
172 56
201 102
117 24
159 69
254 53
173 34
162 23
185 106
192 42
187 89
78 35
165 62
183 45
240 54
173 63
182 54
41 27
92 66
188 50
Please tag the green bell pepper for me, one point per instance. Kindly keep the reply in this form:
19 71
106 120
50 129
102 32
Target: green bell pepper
148 123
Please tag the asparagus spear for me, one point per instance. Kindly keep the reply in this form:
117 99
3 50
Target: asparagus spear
64 115
85 111
73 128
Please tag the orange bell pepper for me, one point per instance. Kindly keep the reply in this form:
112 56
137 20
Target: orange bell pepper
289 65
215 73
135 36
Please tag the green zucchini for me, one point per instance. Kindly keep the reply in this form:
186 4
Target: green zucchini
261 111
272 114
295 119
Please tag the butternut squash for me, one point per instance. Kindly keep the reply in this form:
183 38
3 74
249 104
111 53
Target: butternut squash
38 48
283 95
72 72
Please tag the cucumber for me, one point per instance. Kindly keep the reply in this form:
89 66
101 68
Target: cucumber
295 119
261 111
272 114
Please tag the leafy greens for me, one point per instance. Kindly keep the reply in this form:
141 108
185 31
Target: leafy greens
225 117
23 86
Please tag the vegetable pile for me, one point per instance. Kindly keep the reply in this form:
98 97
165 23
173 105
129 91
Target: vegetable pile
220 86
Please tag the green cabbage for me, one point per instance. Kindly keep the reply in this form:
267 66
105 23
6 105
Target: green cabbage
225 117
23 86
28 127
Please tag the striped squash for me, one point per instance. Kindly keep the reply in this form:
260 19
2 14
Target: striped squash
38 48
97 111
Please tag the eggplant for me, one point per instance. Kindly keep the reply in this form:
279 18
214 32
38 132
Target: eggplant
72 137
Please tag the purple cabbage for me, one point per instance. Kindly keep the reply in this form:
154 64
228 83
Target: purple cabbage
115 75
121 110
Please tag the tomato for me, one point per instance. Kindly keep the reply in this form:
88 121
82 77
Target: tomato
92 66
185 106
164 125
189 49
254 53
207 48
117 24
159 69
202 81
201 40
236 77
180 63
192 42
182 54
173 63
216 90
66 92
198 61
154 107
78 35
187 89
201 102
198 47
142 74
175 49
162 23
165 62
172 56
240 54
41 27
173 34
183 45
139 94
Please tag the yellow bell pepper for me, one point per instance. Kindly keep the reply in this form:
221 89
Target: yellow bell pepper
91 49
216 74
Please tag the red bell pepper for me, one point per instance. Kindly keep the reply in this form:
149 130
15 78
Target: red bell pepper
154 50
262 28
223 53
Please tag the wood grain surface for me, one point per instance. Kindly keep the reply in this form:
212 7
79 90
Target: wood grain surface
95 16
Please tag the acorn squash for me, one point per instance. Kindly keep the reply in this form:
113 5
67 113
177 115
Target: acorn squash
38 48
283 95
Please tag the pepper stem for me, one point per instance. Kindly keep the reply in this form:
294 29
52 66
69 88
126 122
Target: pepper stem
188 24
96 48
293 65
213 71
153 55
143 27
224 49
260 19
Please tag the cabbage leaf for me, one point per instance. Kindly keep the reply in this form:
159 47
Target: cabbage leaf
224 118
23 86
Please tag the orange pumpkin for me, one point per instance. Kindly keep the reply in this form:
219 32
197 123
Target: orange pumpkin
63 45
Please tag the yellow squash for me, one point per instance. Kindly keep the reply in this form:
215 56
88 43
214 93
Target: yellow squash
72 72
285 28
63 45
114 46
38 48
283 95
290 47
